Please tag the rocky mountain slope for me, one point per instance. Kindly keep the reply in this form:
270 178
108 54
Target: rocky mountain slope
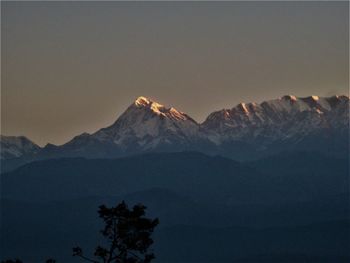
16 146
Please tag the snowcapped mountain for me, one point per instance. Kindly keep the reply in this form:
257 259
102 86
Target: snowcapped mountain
247 131
147 124
285 124
278 119
16 146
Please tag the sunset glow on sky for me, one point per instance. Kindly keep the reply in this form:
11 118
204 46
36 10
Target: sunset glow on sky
74 67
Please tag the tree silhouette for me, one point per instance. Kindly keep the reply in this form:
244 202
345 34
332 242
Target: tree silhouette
127 233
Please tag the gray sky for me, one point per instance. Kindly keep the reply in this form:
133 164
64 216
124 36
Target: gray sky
73 67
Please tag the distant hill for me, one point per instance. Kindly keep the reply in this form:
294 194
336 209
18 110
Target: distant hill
201 177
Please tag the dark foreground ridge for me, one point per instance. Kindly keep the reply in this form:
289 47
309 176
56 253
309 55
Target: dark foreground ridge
289 207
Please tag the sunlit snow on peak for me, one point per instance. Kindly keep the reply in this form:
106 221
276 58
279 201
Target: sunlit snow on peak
242 106
148 103
143 101
289 97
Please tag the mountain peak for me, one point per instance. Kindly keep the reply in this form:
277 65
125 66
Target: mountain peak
147 124
143 101
159 109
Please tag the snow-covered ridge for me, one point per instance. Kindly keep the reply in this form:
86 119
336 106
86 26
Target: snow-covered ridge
290 103
286 104
288 116
143 102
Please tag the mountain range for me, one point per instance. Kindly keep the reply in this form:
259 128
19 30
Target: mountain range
245 132
255 183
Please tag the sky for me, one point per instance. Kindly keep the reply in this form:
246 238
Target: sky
74 67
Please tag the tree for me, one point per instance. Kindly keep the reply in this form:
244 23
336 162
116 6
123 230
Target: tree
127 233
